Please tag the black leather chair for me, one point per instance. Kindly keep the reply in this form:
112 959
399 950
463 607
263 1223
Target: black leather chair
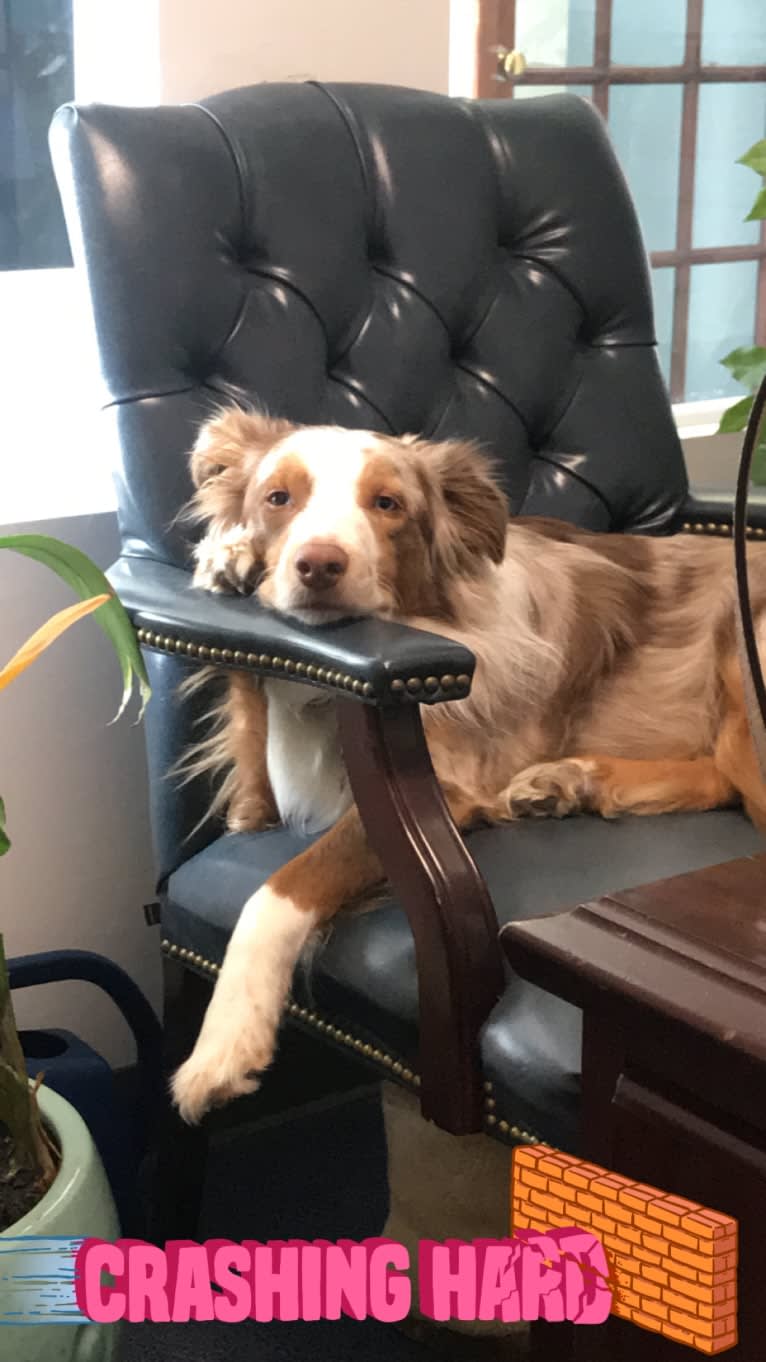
401 261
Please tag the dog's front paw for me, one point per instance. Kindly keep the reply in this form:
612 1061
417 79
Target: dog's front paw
227 561
553 789
223 1065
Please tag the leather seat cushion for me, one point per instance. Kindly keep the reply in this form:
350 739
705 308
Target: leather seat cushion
363 974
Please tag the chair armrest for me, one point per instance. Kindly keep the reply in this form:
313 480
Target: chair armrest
710 510
376 661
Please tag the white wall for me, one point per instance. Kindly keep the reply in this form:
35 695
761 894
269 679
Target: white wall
208 47
80 867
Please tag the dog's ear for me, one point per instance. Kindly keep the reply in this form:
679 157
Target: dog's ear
467 511
227 451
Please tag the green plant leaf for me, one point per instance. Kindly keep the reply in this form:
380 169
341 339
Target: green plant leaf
747 365
5 841
755 158
77 569
758 211
735 418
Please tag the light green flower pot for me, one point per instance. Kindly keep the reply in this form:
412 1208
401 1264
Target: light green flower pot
78 1205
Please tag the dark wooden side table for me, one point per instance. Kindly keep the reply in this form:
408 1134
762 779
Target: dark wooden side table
672 982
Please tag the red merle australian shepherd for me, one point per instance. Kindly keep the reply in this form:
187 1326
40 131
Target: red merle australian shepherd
607 677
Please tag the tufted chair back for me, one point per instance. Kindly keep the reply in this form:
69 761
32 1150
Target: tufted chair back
376 257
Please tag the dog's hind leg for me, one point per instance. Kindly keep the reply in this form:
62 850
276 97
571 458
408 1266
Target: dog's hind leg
613 785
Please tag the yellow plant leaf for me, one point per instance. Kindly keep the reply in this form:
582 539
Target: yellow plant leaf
46 635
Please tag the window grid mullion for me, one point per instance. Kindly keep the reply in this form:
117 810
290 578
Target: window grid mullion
760 307
602 55
685 213
497 27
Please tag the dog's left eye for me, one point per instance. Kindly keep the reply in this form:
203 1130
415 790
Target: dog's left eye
386 503
278 498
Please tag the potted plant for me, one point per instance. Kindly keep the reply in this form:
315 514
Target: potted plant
52 1184
747 364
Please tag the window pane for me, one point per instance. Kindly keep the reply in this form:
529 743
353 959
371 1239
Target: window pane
721 316
731 118
652 33
557 33
734 33
37 75
663 287
645 125
529 91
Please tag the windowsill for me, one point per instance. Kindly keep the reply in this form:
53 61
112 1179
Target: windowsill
698 420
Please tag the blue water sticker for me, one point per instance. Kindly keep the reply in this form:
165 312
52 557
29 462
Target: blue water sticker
37 1280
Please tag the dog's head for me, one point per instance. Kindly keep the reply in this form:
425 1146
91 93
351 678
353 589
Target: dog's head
347 522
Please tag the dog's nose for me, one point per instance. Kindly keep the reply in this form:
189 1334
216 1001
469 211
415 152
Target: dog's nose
321 565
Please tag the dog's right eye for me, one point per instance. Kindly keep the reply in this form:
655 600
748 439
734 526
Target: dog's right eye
278 498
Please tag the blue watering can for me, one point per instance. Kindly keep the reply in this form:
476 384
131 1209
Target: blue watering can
120 1121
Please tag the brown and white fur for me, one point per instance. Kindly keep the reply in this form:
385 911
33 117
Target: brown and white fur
607 678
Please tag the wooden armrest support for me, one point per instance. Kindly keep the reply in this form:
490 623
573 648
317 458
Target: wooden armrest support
459 967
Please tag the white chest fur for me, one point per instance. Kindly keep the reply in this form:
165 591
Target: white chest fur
305 765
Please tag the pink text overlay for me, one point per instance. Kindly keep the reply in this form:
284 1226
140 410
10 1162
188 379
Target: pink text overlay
558 1275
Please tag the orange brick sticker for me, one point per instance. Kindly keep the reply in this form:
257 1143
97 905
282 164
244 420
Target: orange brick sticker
673 1263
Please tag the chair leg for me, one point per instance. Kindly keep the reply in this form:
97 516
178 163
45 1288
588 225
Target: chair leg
181 1149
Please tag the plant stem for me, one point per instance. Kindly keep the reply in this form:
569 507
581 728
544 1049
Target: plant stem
32 1152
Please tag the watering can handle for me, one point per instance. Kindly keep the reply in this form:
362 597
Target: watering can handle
53 967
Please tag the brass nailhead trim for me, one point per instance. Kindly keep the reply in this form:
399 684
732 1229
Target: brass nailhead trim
505 1127
303 1014
715 527
326 676
352 1042
181 953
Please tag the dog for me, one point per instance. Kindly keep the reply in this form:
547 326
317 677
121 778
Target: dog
607 678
